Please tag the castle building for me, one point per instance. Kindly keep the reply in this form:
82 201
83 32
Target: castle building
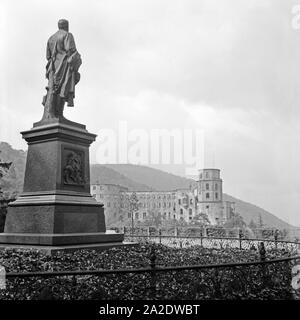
210 195
110 196
180 204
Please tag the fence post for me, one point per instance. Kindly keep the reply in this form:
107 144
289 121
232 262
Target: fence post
204 232
262 256
159 234
148 233
240 238
153 273
176 232
201 240
262 251
74 288
124 230
276 237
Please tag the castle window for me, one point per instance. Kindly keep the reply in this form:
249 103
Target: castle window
206 175
216 186
181 211
207 195
207 186
207 207
137 215
191 201
216 195
190 211
179 201
200 175
144 215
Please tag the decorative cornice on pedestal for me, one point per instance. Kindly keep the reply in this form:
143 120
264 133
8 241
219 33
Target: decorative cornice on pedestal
58 131
53 199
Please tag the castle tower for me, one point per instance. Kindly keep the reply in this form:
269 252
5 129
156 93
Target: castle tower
210 195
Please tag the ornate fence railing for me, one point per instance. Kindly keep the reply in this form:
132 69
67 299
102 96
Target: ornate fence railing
264 279
211 231
218 243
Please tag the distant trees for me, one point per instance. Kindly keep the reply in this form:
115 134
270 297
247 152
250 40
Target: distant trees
200 219
153 218
236 221
4 167
260 221
252 225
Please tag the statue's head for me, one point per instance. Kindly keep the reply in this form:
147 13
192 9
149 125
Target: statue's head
63 24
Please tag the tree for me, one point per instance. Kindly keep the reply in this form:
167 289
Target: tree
252 225
4 167
200 219
236 221
153 218
133 207
260 221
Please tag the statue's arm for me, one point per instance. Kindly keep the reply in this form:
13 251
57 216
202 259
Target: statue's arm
70 46
48 52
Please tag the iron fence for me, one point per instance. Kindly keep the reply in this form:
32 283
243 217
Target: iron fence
218 243
264 279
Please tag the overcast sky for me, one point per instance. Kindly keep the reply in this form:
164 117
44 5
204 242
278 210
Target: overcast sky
229 68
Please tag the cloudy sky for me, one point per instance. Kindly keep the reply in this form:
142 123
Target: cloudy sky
229 68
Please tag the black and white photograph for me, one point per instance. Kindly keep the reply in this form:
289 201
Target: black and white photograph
149 155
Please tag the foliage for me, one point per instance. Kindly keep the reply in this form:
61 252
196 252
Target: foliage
12 182
200 219
252 225
252 282
236 221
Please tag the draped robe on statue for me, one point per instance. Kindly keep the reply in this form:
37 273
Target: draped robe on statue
62 67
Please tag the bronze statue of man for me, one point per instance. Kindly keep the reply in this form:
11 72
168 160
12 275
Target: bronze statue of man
61 71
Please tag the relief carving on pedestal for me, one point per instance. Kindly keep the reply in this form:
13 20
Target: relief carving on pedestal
73 172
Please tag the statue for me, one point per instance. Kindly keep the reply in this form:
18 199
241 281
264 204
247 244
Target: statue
61 72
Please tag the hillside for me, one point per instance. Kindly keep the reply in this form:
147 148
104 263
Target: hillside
12 182
133 177
154 178
106 175
252 212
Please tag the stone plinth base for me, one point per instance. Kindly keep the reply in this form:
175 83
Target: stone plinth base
56 210
60 239
51 250
55 214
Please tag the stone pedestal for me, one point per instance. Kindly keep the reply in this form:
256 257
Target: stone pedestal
56 207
